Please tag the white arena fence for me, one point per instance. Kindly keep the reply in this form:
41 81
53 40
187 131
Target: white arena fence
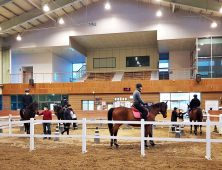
84 122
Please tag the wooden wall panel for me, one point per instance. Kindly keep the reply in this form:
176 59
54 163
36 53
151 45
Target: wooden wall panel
6 102
211 96
206 85
76 100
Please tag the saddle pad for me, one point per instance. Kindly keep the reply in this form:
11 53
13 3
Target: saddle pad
137 115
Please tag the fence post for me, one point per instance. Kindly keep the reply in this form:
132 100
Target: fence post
208 137
84 135
31 134
142 138
10 125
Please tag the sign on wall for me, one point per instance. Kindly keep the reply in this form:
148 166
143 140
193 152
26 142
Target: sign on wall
214 104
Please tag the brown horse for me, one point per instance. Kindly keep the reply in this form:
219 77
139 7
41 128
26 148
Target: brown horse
29 112
196 115
126 114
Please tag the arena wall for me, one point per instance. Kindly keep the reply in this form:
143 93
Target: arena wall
120 54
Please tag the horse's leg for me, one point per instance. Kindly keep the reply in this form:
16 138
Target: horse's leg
151 135
146 135
115 131
195 129
190 129
200 129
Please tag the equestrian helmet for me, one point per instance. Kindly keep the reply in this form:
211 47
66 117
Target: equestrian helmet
138 85
194 95
27 90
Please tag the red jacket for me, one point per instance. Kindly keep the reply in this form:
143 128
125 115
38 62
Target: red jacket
47 115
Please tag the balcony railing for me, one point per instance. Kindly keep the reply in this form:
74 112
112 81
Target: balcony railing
119 75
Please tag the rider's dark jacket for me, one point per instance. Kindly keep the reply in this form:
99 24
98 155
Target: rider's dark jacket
64 103
194 103
26 100
174 116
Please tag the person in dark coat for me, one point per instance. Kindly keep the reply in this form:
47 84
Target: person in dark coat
64 102
138 102
26 100
195 103
67 116
174 117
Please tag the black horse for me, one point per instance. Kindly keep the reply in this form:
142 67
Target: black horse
29 112
58 112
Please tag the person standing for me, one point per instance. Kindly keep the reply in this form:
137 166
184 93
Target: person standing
26 100
47 115
73 115
138 101
67 116
174 117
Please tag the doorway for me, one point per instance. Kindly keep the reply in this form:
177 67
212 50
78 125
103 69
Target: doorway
27 73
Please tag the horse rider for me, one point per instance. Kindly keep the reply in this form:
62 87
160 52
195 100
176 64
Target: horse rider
26 100
138 101
64 102
195 103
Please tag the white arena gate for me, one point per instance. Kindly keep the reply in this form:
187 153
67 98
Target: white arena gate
32 122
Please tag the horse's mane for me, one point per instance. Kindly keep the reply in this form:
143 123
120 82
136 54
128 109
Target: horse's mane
30 105
157 105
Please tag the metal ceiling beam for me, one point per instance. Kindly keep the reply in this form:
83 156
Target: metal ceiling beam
10 11
36 14
73 7
210 5
19 6
4 2
173 8
40 9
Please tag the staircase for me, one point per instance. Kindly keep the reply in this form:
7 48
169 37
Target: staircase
118 77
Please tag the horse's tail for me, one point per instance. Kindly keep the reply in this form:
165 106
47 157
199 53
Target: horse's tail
110 117
199 115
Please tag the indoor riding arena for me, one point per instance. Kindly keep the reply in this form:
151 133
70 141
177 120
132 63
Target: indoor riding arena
111 84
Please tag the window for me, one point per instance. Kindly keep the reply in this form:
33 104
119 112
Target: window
87 105
16 102
42 100
138 61
179 100
163 65
104 62
1 105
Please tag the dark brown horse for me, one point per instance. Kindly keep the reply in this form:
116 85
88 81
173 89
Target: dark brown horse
196 115
126 114
29 112
58 110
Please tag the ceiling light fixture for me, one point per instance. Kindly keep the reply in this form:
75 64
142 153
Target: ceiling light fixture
221 10
107 5
45 7
61 21
201 44
0 28
19 38
159 13
214 24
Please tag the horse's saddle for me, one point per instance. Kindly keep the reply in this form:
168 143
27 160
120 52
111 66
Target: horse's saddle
136 113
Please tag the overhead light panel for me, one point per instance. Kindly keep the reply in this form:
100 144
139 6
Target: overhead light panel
214 24
19 38
159 13
107 5
61 21
45 7
0 28
221 10
201 44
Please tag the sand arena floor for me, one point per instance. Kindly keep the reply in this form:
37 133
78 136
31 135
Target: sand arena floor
66 153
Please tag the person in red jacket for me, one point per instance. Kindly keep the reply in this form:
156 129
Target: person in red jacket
47 115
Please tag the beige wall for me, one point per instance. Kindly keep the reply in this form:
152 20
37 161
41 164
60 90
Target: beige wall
6 57
179 59
120 54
